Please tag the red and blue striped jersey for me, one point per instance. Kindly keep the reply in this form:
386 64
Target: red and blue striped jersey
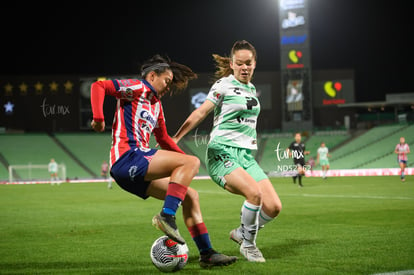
402 150
138 114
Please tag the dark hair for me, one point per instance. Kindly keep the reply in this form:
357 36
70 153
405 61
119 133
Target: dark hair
223 63
159 64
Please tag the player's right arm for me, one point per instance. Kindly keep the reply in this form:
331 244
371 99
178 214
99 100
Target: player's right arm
194 119
198 115
397 151
98 91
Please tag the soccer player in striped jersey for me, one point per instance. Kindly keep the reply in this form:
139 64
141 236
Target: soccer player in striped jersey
229 159
140 170
402 149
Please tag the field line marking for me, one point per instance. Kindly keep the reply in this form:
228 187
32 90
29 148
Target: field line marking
401 272
322 195
351 196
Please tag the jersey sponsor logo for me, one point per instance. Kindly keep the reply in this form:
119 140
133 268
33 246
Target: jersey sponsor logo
241 119
251 102
147 116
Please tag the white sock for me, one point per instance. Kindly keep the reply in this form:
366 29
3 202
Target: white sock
249 223
264 218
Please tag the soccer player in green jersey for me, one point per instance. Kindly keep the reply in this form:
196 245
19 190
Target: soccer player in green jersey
322 159
229 160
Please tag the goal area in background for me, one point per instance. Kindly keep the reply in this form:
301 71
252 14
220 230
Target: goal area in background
34 172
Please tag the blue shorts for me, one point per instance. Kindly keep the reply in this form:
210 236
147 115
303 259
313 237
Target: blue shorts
130 169
402 161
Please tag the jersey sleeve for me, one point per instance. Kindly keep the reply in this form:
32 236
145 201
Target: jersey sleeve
215 94
162 137
125 89
98 91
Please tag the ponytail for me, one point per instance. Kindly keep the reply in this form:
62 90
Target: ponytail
181 73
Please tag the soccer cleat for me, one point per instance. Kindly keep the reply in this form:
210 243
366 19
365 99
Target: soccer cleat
166 223
235 237
214 258
252 254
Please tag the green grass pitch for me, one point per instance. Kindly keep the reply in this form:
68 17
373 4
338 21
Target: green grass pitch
348 225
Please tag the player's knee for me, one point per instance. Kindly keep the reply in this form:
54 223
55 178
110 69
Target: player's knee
277 207
193 163
273 208
254 196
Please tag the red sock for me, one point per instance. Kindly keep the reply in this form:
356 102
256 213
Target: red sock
200 236
197 230
175 195
177 190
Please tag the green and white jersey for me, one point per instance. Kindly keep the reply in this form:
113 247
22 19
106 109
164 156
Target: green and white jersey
53 167
323 153
235 114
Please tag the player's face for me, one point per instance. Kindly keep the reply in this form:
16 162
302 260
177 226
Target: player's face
298 138
243 65
402 140
161 82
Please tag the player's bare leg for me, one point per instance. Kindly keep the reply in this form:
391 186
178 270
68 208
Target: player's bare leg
301 172
402 171
181 169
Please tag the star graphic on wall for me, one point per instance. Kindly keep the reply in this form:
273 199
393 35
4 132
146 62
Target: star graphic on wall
23 88
8 89
8 107
53 86
68 86
38 87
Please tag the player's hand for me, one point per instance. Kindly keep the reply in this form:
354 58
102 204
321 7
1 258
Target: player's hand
98 126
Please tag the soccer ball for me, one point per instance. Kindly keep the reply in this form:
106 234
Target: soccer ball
168 255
